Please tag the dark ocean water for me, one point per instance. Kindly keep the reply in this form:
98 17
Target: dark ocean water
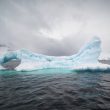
54 90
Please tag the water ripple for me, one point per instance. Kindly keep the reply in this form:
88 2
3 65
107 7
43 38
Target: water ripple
78 91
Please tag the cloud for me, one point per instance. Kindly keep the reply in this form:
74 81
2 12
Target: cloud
51 27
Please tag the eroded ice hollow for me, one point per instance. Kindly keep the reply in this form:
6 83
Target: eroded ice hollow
24 60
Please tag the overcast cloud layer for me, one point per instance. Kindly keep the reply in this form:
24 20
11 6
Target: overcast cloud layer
54 27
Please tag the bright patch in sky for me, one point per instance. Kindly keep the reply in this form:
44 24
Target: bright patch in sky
62 29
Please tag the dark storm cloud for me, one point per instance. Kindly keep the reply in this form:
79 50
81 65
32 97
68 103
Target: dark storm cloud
53 27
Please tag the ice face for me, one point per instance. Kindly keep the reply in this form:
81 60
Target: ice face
90 52
32 61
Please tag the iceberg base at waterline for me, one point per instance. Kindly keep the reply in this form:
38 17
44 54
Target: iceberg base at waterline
24 60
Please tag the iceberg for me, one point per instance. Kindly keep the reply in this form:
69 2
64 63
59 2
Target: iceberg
28 61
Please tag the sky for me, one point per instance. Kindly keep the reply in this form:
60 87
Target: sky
54 27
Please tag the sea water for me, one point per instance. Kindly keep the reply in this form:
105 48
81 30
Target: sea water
53 89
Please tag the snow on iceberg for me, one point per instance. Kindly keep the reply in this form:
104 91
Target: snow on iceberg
32 61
